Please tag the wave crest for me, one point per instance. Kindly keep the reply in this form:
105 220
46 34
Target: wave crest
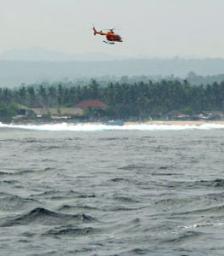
46 217
88 127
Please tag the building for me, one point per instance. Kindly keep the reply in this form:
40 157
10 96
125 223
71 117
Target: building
91 104
23 112
58 112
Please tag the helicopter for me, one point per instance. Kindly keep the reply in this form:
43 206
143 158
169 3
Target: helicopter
111 37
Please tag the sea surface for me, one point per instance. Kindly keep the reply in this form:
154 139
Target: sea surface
90 190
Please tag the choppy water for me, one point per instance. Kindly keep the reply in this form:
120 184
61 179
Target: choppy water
111 191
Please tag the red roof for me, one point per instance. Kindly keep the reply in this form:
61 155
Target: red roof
85 104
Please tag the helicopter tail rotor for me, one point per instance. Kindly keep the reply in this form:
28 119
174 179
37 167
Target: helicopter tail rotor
94 31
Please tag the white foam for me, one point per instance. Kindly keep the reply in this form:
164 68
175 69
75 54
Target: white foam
202 225
87 127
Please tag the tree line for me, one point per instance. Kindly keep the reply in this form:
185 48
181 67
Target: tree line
124 100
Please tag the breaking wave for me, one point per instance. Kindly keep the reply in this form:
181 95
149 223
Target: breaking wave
91 127
45 217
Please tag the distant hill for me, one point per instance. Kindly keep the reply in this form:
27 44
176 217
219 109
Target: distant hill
13 73
45 55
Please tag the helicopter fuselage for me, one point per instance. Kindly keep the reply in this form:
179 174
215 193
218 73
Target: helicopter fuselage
113 37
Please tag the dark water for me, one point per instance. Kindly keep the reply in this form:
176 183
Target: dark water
112 192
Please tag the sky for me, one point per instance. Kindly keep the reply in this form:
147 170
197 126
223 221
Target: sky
150 28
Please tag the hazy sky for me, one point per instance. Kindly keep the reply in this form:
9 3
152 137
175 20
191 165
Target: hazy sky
150 28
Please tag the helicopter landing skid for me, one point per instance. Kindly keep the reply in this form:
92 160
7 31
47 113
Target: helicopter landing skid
108 42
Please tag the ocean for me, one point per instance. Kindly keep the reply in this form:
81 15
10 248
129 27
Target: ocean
95 189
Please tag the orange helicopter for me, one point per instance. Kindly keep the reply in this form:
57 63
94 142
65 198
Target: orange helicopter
110 36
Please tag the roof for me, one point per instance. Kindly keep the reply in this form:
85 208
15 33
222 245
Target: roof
20 106
61 111
85 104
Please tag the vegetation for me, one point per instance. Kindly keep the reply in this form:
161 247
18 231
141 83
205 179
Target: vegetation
7 111
124 100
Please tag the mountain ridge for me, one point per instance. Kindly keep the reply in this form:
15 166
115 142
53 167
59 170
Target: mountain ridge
13 73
